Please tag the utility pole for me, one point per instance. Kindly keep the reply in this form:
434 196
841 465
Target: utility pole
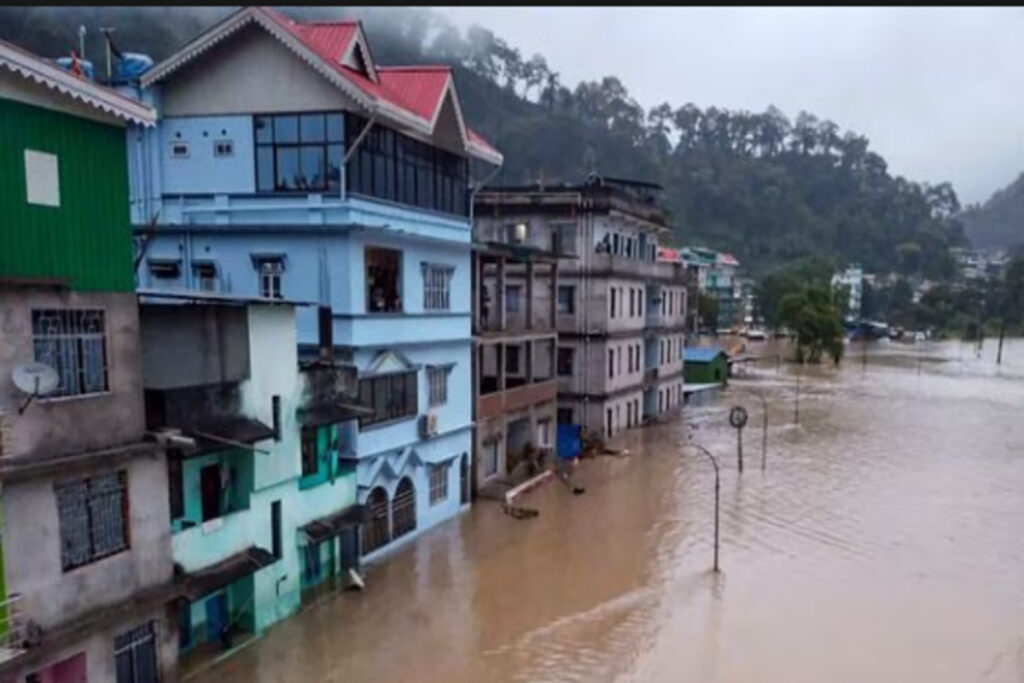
796 407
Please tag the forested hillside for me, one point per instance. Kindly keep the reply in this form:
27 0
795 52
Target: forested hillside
765 186
999 222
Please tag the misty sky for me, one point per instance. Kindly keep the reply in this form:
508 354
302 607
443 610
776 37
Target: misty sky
938 91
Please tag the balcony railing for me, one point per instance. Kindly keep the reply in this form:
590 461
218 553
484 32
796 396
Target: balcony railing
14 630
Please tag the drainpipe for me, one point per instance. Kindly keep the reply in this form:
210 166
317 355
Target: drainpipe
472 195
355 145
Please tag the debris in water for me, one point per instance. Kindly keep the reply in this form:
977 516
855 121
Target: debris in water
520 512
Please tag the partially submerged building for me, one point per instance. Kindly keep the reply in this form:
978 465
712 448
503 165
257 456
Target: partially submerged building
86 552
262 481
620 313
286 162
515 390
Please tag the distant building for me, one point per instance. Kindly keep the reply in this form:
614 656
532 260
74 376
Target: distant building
86 574
716 273
979 264
621 314
853 280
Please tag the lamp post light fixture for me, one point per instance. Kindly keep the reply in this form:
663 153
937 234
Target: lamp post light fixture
714 464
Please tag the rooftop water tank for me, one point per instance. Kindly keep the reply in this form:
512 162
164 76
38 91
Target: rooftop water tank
66 64
132 65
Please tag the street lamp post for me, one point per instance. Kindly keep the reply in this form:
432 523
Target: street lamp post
714 463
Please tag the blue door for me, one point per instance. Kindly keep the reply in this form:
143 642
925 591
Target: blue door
569 441
216 617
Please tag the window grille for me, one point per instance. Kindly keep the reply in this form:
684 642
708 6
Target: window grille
72 341
439 483
93 516
437 287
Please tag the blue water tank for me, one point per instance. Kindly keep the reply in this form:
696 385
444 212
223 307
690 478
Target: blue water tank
66 63
132 65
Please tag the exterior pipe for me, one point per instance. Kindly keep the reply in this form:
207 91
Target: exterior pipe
350 151
473 193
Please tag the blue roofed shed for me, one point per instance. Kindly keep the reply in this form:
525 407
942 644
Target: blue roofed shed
705 365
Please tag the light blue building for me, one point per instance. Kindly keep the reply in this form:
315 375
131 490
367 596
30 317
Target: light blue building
287 164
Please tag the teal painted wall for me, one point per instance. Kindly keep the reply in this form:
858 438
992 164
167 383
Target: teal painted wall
87 239
240 491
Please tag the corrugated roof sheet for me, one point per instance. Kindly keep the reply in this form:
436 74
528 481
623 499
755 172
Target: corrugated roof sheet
702 354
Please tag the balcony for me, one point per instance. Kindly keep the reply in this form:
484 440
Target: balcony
372 329
214 540
650 376
607 265
516 398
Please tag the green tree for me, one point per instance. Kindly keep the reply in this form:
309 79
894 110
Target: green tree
810 314
707 310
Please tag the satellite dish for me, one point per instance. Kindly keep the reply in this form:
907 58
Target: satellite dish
35 379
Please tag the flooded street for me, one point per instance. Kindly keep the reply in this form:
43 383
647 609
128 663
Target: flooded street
883 543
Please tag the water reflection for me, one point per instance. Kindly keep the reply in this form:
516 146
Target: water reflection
882 543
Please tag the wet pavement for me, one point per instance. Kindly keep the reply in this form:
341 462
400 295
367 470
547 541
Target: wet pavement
883 542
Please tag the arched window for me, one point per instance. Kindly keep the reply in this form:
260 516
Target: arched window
403 508
376 532
464 479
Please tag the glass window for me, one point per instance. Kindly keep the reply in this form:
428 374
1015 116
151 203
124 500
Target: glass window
437 287
437 383
310 462
312 128
490 458
135 655
292 154
93 518
439 483
394 167
512 298
287 168
264 126
566 299
565 359
74 343
383 280
270 278
391 397
286 129
264 169
334 128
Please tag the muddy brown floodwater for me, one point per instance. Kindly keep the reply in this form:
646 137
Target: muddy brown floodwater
884 542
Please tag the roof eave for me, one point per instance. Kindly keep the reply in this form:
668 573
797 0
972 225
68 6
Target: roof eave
91 94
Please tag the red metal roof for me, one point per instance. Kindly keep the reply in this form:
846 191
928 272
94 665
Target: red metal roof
476 139
418 90
329 40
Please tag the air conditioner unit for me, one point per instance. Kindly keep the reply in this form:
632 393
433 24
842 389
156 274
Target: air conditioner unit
518 233
428 425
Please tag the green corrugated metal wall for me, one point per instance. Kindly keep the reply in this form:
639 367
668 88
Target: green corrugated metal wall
87 239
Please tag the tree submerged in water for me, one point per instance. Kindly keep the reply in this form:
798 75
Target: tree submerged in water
812 316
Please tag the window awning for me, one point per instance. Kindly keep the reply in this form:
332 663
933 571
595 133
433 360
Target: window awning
332 525
218 434
195 585
325 414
